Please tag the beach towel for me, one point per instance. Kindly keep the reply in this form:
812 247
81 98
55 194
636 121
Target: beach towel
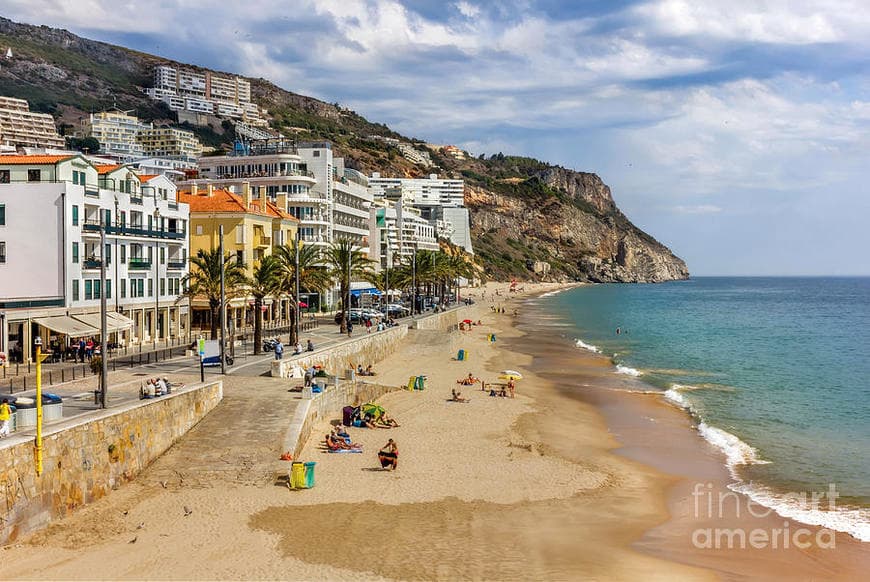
345 450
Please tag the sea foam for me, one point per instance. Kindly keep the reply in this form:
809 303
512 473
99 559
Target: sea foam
551 293
620 369
736 451
581 344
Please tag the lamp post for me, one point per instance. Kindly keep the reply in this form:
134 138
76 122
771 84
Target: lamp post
296 273
223 300
156 276
104 344
39 358
414 281
347 308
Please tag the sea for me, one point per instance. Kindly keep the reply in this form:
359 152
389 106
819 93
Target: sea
774 371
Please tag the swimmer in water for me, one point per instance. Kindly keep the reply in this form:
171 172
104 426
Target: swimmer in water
617 331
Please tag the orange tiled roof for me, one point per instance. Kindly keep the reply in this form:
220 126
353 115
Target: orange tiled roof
32 160
147 177
106 168
225 201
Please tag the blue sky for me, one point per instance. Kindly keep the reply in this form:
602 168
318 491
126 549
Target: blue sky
735 132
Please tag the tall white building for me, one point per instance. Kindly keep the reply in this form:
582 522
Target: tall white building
441 201
396 230
345 189
52 208
117 132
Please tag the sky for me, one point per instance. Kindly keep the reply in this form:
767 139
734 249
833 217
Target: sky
734 132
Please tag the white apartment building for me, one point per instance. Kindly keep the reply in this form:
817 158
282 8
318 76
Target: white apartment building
204 92
52 208
117 132
21 127
414 155
395 231
440 200
346 191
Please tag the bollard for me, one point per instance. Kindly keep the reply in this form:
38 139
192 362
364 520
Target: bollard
25 383
74 372
61 376
49 378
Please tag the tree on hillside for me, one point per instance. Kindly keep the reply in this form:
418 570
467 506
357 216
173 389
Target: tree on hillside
204 281
314 277
346 262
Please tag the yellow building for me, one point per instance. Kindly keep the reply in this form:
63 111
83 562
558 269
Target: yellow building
252 229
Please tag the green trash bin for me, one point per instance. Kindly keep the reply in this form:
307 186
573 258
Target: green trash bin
309 474
420 384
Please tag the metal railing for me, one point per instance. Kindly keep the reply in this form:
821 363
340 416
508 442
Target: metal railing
139 264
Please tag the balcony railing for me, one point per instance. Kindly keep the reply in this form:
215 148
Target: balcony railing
135 199
138 264
91 264
176 264
93 192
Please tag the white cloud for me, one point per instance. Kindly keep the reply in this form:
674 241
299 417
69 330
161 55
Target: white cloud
697 209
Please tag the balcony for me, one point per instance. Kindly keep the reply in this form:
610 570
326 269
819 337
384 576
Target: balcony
91 264
138 264
135 199
176 265
92 192
261 241
138 230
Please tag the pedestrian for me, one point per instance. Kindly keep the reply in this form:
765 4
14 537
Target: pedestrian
5 416
279 349
89 349
82 350
310 346
369 325
389 455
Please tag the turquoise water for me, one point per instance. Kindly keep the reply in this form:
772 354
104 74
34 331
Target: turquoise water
776 370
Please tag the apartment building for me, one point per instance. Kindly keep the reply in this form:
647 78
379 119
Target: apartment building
345 190
205 92
441 202
396 230
252 229
117 132
169 142
52 209
21 127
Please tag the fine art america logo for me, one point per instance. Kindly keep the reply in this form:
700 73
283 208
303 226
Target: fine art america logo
724 506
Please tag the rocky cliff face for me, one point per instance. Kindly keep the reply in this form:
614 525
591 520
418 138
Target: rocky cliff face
583 236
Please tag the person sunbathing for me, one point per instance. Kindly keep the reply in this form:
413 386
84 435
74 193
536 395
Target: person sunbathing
457 396
334 443
387 421
469 381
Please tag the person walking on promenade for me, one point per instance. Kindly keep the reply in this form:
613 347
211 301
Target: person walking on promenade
279 350
5 417
82 350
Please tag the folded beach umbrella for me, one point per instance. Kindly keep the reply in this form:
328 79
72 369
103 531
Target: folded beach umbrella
511 375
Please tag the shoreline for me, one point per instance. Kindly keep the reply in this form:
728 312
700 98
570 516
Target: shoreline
553 484
651 426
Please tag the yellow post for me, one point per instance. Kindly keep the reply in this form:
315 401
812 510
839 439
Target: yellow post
39 358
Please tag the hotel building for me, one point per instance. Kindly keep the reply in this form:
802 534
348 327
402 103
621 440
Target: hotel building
21 127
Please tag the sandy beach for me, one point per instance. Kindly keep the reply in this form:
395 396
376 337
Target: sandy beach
493 489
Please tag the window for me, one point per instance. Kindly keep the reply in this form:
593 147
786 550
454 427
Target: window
162 255
108 254
96 288
240 257
89 290
2 251
75 252
198 229
123 218
123 283
108 215
2 215
75 289
315 154
108 289
150 287
5 176
75 215
34 176
123 255
150 222
163 286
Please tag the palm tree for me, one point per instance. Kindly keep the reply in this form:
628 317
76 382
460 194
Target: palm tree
313 275
263 282
346 261
204 281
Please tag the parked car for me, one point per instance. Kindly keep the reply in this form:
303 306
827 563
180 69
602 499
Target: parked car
395 310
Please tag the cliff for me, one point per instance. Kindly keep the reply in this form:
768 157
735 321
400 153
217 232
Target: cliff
528 218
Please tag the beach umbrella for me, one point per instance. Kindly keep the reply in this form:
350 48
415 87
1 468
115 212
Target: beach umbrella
372 409
510 375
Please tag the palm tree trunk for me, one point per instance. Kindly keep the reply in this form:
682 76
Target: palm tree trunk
214 319
258 324
294 316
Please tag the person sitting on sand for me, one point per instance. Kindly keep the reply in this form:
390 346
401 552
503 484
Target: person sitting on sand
334 443
469 381
339 431
388 421
389 455
369 371
457 396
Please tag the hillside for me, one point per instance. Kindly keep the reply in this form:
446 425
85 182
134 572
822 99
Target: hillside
522 210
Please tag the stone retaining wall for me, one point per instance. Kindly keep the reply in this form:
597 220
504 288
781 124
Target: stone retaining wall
87 457
365 349
327 404
442 321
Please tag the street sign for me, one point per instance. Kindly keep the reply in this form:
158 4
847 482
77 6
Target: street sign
201 347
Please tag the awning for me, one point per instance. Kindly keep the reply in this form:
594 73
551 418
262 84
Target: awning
67 325
114 321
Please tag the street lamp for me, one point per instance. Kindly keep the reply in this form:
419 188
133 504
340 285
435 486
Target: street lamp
414 281
156 275
296 273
